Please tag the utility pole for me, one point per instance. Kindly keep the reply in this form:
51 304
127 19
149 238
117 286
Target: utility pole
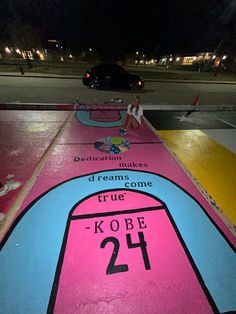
218 47
220 62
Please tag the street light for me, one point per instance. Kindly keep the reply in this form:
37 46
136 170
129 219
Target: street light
137 52
7 50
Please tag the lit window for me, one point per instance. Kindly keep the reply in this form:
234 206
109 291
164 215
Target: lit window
189 60
29 53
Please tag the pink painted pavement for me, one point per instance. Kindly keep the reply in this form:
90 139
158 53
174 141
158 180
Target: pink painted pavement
85 288
75 155
121 250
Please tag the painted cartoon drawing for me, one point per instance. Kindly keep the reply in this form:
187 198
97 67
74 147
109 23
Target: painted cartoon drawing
112 145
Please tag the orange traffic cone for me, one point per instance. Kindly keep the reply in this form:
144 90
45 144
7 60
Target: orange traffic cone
196 100
194 103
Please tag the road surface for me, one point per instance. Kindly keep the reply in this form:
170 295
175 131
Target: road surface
51 90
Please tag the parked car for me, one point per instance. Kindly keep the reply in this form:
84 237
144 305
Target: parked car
111 76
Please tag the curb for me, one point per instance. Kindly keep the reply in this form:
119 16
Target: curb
43 76
110 106
191 81
74 77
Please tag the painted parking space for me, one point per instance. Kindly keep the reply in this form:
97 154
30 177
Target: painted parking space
115 232
213 166
24 138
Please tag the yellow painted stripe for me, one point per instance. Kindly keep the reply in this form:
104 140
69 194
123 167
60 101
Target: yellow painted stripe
210 163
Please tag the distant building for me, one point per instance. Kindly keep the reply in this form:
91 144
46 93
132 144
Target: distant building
53 51
199 61
11 52
202 61
186 59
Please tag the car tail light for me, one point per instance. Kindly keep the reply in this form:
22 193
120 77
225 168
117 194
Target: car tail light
87 75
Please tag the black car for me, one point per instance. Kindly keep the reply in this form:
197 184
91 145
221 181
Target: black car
112 76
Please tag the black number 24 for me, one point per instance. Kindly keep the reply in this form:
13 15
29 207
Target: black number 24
112 268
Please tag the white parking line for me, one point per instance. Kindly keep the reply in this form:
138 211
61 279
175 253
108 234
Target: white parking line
221 120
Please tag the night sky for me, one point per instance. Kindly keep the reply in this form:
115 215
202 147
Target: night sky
118 27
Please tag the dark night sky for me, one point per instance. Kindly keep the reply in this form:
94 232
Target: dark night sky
115 27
